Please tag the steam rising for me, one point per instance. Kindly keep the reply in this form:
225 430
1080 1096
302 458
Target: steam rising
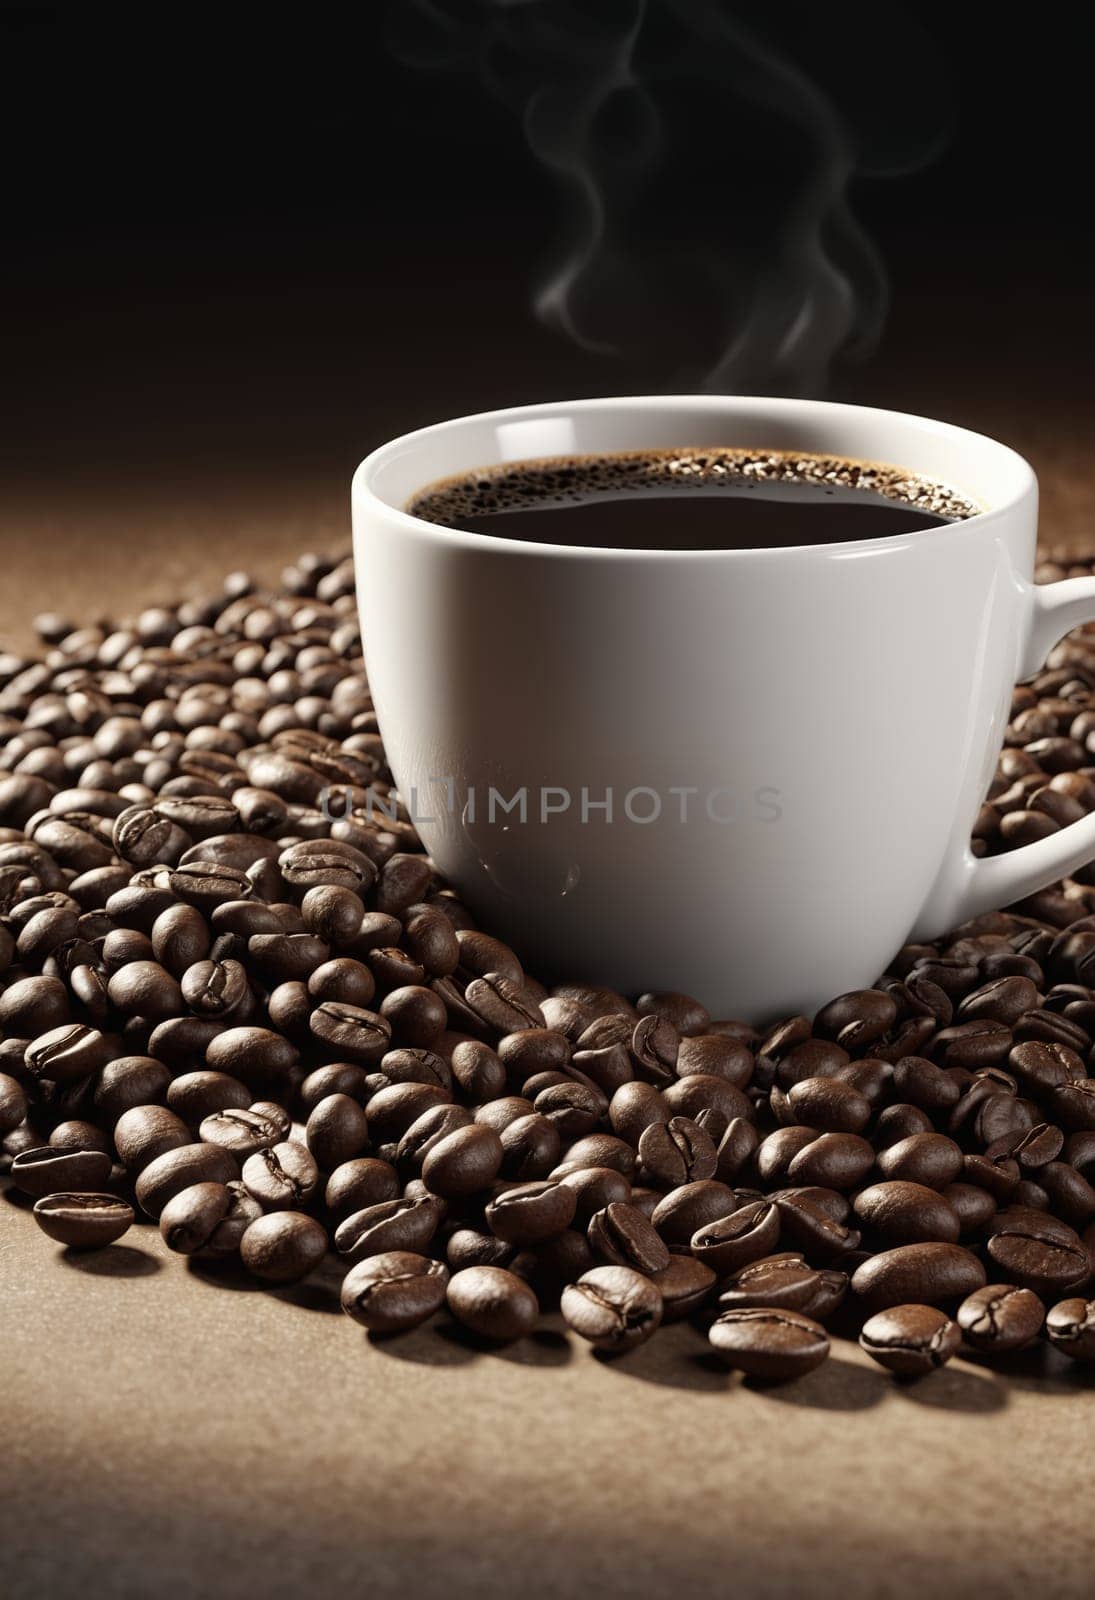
709 235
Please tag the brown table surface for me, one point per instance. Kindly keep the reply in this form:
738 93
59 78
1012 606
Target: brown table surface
170 1429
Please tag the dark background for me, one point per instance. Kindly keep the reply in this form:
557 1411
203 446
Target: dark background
255 241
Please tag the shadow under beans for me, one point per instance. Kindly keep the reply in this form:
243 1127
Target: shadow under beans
422 1348
112 1261
834 1386
546 1347
678 1357
955 1389
1040 1369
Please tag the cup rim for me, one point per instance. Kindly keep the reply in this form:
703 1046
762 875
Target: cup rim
363 495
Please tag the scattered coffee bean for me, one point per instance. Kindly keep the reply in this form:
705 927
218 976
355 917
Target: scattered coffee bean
910 1340
83 1221
1070 1326
769 1342
1001 1318
493 1303
614 1308
394 1291
283 1247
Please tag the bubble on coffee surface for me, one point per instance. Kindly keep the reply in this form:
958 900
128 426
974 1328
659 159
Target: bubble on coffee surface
553 484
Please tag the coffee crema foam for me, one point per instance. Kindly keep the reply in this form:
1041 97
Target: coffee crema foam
574 480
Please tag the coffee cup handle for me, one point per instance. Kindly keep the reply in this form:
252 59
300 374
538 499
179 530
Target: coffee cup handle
972 886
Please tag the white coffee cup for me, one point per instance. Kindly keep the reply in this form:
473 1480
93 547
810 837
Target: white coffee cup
794 742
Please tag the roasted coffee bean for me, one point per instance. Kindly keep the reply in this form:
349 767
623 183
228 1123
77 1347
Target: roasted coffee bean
498 1114
614 1308
346 980
145 1132
403 1224
284 1247
921 1083
531 1147
533 1050
282 1178
416 1065
67 1053
333 914
501 1003
469 1248
13 1103
972 1206
465 1162
929 1159
595 1188
621 1235
208 1218
654 1046
392 1109
214 988
809 1227
856 1019
1001 1318
83 1221
531 1212
712 1102
251 1054
45 1171
598 1150
833 1160
1040 1067
914 1274
684 1013
897 1122
743 1236
177 1169
1033 1148
337 1130
128 1082
1038 1253
676 1152
403 881
829 1105
394 1291
635 1107
493 1303
33 1006
776 1152
478 1071
999 1175
735 1148
716 1057
339 1077
355 1033
910 1340
899 1212
1071 1196
1003 1000
245 1132
1070 1326
193 1096
360 1183
427 1131
1073 1105
778 1280
829 1295
684 1211
684 1285
769 1342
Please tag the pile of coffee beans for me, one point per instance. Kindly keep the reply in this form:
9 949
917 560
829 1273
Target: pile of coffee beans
232 1007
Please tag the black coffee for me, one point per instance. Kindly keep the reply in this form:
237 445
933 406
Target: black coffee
694 499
